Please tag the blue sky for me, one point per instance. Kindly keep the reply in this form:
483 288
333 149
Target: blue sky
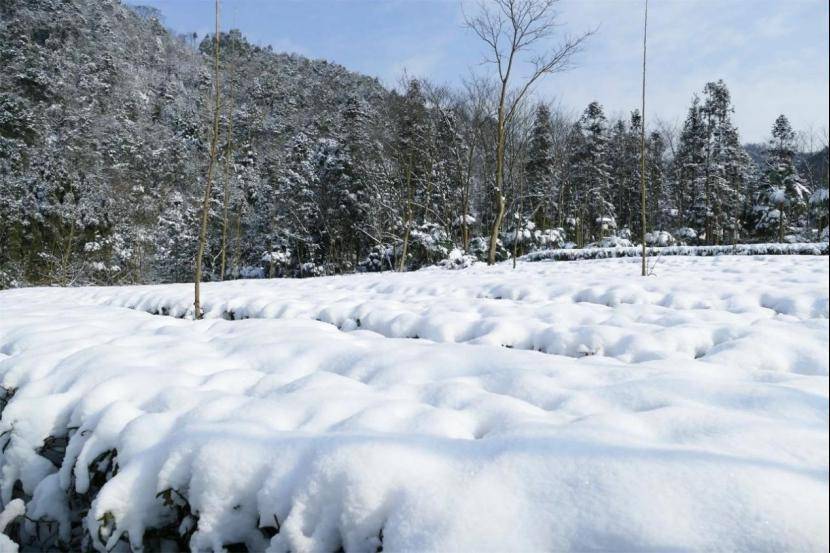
773 54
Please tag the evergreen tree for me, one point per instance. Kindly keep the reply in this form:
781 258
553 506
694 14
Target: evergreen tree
592 179
409 152
659 214
540 168
690 188
786 195
625 162
725 165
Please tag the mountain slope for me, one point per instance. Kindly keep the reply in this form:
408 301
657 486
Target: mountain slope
104 130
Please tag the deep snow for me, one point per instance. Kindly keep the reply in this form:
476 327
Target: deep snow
687 410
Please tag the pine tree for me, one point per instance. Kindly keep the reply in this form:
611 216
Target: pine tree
540 167
786 193
659 205
724 167
296 223
624 160
690 189
592 179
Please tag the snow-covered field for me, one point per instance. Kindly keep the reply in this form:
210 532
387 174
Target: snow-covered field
558 406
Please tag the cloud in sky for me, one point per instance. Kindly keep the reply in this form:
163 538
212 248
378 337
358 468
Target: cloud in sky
773 54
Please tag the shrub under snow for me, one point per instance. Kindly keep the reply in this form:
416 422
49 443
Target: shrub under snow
559 406
818 248
457 259
611 242
660 238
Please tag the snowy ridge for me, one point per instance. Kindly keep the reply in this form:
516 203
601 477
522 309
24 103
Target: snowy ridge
292 434
692 310
810 248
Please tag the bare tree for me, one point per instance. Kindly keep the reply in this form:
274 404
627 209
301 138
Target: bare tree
512 30
197 313
478 95
517 141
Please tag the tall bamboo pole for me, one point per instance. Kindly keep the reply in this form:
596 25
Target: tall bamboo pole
226 191
197 313
643 147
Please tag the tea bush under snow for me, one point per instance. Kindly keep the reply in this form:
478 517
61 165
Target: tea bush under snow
558 406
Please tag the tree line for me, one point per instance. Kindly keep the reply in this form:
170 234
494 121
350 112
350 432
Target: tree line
108 121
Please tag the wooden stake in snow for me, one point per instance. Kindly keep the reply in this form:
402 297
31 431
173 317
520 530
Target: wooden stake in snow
643 148
197 313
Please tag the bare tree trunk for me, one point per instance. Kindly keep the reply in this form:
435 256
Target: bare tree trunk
518 224
465 227
228 156
140 264
197 313
500 203
67 254
237 247
516 238
781 223
643 148
408 222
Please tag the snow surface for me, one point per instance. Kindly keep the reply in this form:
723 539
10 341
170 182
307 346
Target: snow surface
558 406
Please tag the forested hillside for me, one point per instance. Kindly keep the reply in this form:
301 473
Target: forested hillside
104 135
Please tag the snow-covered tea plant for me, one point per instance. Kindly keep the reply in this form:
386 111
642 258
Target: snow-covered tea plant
483 408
